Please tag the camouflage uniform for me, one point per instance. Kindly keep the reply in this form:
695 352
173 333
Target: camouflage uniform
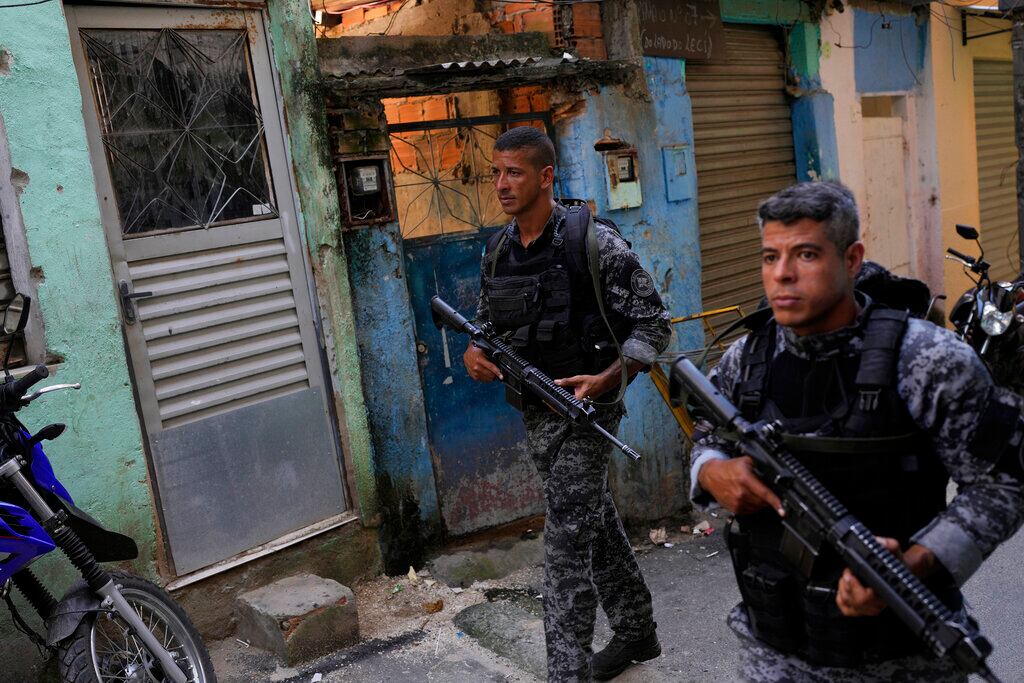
587 556
946 390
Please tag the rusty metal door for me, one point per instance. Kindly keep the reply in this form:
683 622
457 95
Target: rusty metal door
447 210
188 149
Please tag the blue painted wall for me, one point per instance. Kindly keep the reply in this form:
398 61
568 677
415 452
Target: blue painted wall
392 389
888 59
666 237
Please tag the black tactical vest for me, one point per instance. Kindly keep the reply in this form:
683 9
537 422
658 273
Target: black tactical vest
542 298
869 453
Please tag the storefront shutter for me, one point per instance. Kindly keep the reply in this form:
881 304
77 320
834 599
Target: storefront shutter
997 166
743 143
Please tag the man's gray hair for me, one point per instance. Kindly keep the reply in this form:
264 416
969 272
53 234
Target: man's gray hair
826 201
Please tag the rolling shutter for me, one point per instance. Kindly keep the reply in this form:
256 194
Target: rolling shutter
997 166
743 144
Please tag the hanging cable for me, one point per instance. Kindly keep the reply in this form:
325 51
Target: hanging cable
24 4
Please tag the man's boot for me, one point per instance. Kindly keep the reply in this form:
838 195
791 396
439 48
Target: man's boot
620 653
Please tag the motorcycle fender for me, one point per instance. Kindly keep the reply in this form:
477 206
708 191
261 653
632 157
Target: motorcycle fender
73 607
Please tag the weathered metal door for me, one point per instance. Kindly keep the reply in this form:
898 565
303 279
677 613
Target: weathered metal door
182 115
447 210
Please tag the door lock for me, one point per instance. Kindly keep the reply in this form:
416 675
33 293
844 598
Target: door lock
128 298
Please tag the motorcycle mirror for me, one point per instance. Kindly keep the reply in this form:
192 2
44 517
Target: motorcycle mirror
16 315
966 231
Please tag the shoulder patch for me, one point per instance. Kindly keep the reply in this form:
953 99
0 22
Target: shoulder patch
642 283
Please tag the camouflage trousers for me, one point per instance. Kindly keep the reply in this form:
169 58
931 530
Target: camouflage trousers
587 557
761 663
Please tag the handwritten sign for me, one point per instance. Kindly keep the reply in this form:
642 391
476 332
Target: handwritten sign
691 30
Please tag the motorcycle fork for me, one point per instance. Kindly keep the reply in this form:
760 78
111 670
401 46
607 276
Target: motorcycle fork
82 558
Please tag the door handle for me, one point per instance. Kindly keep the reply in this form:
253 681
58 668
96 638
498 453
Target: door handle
128 298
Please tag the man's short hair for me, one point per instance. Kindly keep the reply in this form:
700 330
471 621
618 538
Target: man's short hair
539 146
826 201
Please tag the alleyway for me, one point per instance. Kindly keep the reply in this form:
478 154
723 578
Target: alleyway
693 587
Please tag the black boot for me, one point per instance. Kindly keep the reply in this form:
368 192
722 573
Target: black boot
619 653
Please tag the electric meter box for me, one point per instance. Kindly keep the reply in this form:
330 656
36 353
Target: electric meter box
622 177
364 184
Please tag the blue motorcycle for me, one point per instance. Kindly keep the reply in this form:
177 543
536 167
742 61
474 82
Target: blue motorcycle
110 625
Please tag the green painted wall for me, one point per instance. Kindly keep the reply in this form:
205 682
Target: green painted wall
100 457
294 46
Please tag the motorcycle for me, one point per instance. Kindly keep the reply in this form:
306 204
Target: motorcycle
110 625
990 316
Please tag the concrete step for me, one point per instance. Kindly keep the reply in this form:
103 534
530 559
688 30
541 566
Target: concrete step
299 618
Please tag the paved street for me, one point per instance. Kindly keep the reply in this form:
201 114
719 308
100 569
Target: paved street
693 587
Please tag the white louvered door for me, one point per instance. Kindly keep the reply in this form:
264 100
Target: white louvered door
193 181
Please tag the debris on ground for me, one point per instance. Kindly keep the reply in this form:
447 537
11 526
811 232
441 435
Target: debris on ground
670 545
433 607
317 677
704 528
712 554
686 529
658 536
396 589
412 575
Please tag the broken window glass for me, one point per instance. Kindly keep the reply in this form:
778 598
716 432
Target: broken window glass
181 127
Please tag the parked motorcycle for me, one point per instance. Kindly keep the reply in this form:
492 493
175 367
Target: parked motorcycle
110 625
990 316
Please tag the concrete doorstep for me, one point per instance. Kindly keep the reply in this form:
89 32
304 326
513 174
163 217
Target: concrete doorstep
299 618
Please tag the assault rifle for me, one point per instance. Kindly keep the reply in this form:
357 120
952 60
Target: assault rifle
520 376
814 516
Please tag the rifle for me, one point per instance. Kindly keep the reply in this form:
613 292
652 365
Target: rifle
520 375
814 516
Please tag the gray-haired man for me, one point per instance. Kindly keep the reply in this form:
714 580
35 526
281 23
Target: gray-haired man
883 408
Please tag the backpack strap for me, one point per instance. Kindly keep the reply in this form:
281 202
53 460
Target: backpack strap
882 338
495 245
758 354
584 253
876 400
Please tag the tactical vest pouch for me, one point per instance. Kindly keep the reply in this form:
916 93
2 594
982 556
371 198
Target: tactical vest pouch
512 300
771 595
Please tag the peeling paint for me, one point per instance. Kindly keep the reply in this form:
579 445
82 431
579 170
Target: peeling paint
6 61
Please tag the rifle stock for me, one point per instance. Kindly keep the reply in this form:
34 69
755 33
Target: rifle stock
519 375
814 515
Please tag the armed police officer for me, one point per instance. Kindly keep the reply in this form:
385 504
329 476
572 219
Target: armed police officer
573 298
883 409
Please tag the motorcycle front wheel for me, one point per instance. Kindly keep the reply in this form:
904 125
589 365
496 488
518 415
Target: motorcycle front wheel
104 650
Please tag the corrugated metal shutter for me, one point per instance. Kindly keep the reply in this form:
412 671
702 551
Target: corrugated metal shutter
743 144
221 329
997 159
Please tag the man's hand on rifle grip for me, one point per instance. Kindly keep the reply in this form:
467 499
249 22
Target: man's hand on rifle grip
854 599
736 487
479 366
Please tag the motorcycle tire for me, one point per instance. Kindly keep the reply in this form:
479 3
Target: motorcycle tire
98 652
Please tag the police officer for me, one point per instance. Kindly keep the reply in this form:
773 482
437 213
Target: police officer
881 407
537 286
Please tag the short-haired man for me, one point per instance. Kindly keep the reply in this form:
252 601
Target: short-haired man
883 409
537 288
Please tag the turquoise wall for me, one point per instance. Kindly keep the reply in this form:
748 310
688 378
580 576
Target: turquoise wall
99 458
